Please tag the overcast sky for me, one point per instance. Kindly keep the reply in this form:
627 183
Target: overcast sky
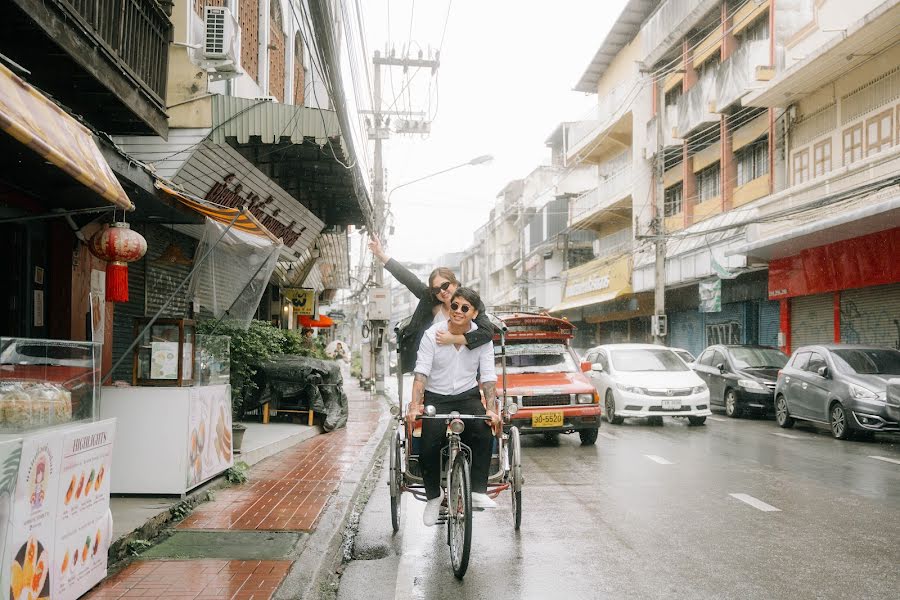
506 77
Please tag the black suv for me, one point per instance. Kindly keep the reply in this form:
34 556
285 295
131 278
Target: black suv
741 377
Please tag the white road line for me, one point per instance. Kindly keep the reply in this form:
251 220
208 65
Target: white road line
758 504
658 459
886 459
608 436
719 419
786 435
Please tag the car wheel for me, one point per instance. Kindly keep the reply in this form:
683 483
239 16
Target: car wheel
657 421
611 410
732 408
588 436
782 416
837 418
696 420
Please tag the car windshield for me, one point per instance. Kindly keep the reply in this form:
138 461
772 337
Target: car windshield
758 358
536 358
868 361
641 359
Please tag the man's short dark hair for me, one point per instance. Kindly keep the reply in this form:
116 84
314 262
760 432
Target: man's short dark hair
468 294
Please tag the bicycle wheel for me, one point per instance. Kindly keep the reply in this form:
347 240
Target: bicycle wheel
394 481
459 520
515 475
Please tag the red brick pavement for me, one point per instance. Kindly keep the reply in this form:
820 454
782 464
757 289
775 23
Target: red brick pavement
287 491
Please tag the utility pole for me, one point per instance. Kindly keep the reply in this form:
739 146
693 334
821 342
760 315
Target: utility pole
379 132
659 298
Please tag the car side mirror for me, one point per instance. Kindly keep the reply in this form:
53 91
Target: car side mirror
597 367
585 367
823 372
721 367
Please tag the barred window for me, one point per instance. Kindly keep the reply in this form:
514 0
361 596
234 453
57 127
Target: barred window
673 200
752 160
821 158
708 183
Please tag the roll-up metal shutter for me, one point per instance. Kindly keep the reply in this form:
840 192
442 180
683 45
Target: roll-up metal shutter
871 316
769 322
686 331
726 326
812 320
164 277
124 315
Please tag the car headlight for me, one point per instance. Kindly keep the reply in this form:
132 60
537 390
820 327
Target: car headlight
858 392
751 384
698 389
631 388
584 398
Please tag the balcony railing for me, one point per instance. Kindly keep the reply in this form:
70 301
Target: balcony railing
615 187
738 74
697 106
669 24
609 109
135 32
620 242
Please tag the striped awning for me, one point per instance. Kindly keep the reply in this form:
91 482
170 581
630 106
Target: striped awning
36 121
245 222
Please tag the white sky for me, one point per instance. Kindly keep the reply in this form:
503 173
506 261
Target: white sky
505 82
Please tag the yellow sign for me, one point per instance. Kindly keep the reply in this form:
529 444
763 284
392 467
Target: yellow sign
40 124
303 300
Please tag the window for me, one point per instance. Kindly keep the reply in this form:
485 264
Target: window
591 357
673 200
673 95
708 183
276 51
640 360
821 158
800 361
603 360
757 31
815 362
752 160
801 166
879 132
248 18
718 359
853 144
706 358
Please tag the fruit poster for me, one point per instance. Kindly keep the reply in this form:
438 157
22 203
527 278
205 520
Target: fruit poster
209 447
83 532
10 454
29 565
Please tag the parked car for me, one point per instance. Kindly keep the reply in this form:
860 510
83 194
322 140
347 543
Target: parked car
684 355
544 378
645 380
741 378
842 386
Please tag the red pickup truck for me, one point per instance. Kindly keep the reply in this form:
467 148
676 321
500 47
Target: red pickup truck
544 377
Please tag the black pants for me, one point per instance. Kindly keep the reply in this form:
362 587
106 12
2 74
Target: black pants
477 435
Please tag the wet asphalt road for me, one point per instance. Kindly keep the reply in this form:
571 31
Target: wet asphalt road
662 512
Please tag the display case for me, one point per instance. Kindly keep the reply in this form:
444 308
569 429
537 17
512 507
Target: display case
47 382
213 360
165 353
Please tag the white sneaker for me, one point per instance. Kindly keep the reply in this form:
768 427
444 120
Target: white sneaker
482 501
432 510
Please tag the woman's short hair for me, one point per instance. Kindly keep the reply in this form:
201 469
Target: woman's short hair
443 272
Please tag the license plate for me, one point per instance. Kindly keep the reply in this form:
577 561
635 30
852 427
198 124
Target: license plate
671 404
547 419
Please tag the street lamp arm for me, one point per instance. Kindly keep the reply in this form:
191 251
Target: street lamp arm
475 161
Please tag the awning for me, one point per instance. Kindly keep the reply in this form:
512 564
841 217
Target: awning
36 121
322 321
589 299
600 280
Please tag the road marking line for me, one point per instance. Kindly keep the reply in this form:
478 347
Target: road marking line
608 436
719 419
785 435
758 504
658 459
886 459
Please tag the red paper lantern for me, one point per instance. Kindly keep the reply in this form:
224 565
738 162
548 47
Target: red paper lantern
118 245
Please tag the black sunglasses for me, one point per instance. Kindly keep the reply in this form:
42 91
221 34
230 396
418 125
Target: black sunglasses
462 308
443 288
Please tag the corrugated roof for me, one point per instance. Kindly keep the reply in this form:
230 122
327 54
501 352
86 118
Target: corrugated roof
623 31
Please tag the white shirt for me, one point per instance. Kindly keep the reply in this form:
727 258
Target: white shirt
451 371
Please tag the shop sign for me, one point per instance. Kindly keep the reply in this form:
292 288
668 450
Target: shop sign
711 295
210 446
594 283
303 300
228 193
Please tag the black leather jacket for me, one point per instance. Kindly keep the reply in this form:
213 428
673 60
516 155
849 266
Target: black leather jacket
409 337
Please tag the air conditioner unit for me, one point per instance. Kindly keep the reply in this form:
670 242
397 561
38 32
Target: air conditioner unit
220 39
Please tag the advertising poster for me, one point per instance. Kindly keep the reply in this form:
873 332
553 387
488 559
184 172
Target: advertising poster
29 566
10 455
209 448
82 533
164 360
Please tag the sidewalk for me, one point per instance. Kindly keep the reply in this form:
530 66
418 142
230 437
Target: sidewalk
278 530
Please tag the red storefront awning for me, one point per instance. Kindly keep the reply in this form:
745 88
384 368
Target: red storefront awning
322 321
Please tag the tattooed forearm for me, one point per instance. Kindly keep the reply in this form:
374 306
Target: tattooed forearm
490 394
418 393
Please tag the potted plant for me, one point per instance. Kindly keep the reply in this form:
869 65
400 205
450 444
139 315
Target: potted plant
237 435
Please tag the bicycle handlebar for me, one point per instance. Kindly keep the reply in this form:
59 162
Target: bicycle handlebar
456 416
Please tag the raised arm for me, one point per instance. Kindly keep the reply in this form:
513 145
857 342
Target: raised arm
418 287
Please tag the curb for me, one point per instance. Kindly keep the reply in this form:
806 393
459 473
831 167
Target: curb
314 570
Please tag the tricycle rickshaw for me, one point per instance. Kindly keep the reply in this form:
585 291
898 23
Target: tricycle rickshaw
505 471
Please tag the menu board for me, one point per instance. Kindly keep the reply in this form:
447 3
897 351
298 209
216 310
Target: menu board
209 447
10 454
